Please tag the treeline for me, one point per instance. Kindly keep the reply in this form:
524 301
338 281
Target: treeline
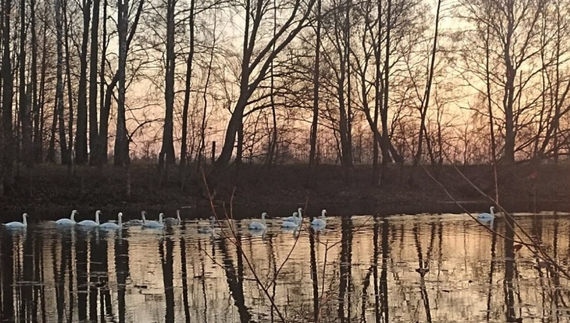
89 82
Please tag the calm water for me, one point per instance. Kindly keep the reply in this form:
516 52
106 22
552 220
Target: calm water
444 268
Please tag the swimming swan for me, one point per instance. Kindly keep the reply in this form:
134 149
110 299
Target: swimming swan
487 217
153 224
112 225
91 223
173 221
322 222
16 224
291 218
136 221
259 225
67 221
291 224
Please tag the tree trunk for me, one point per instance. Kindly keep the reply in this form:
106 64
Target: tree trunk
316 83
349 160
7 83
425 102
59 81
93 131
508 98
39 119
202 145
102 137
273 138
37 136
2 100
377 100
24 99
51 146
189 61
344 103
167 152
69 86
81 156
106 108
490 109
121 139
384 113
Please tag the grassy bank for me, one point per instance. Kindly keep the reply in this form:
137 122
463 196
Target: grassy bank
257 187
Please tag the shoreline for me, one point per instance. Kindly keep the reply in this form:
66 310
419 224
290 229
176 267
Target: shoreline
254 189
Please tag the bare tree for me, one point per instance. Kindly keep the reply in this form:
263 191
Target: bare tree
167 152
121 139
427 91
59 17
316 83
7 83
513 31
187 85
68 56
93 86
81 156
106 107
256 62
24 108
101 149
35 106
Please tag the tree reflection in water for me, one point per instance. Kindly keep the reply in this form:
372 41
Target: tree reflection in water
428 269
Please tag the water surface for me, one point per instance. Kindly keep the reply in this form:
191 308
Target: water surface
444 268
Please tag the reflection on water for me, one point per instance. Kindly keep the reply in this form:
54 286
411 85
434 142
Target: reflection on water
360 269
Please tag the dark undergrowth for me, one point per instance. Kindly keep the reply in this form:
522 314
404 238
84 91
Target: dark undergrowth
258 187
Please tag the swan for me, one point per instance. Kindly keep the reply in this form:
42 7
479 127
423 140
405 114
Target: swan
259 225
322 222
66 221
209 229
113 226
173 221
291 224
91 223
153 224
137 221
487 217
16 224
293 218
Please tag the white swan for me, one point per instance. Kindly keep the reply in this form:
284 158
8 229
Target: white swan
293 218
91 223
487 217
153 224
173 221
67 221
322 222
112 225
16 224
259 225
291 224
210 228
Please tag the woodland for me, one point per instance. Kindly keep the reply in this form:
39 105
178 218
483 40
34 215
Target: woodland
355 93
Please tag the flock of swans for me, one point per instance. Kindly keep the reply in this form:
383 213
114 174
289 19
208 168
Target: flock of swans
66 222
292 222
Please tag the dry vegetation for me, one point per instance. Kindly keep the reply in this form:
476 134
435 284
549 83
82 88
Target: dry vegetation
257 188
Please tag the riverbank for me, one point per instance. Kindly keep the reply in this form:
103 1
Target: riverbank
255 188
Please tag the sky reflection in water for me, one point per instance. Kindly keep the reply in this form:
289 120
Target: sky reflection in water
360 269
